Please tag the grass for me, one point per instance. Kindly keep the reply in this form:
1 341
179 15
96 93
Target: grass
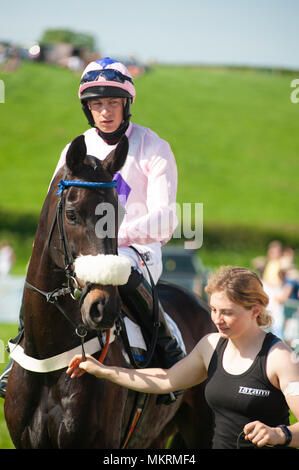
233 133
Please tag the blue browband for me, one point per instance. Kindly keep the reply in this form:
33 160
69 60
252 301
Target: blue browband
63 184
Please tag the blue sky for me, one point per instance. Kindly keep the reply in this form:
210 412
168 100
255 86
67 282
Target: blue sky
250 32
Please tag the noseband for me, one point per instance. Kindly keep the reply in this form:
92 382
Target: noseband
72 284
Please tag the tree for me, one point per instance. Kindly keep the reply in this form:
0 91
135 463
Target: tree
77 39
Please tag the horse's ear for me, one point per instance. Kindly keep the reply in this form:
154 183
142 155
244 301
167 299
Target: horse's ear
116 159
76 154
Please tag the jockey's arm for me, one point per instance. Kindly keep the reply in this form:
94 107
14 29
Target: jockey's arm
186 373
159 220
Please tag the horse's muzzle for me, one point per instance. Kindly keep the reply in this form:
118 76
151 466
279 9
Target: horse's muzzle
100 307
103 273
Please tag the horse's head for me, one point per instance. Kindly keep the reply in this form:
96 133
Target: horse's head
88 214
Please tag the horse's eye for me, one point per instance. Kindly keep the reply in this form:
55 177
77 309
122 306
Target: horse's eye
71 216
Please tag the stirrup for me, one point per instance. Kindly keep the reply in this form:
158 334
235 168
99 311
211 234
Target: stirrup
4 378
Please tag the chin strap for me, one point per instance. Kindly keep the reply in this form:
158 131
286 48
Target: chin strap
112 138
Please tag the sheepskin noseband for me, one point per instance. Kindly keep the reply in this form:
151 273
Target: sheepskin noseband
103 269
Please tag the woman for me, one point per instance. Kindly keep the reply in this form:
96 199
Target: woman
252 377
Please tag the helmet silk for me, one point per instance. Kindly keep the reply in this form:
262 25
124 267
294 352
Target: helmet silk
101 84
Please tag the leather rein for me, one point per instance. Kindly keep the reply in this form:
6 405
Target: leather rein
72 288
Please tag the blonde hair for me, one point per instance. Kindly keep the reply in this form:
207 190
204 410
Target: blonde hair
243 287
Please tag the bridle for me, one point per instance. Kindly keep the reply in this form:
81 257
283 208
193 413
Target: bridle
59 219
72 288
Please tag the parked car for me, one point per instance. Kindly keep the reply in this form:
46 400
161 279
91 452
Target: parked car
184 267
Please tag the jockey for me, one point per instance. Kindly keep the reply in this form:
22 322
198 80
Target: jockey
146 187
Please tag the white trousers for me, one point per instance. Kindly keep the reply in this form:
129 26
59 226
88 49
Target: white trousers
152 254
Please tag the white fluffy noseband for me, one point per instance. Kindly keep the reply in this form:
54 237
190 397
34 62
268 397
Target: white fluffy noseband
103 269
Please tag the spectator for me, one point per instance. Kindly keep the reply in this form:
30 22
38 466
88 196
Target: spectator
271 275
273 283
290 288
289 300
287 258
7 259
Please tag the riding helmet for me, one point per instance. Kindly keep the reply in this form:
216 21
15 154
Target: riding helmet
106 78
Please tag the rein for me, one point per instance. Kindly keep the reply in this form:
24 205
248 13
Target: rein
75 292
156 323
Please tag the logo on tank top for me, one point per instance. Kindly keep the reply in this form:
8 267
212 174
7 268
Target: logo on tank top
257 392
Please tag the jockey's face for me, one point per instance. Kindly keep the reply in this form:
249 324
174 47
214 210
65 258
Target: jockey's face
107 113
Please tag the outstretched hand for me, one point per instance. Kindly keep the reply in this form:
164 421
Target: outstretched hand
78 367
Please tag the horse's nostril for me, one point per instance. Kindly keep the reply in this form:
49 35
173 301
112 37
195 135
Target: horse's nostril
97 311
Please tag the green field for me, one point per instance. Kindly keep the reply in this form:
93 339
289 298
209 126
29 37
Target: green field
7 331
233 133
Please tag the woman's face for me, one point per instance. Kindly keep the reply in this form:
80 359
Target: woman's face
231 319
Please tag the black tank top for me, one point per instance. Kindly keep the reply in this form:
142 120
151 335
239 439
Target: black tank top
239 399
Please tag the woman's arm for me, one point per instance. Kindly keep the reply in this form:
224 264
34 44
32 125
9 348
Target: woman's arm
287 366
184 374
283 369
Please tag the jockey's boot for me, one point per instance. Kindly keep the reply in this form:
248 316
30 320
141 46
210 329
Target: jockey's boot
138 297
5 374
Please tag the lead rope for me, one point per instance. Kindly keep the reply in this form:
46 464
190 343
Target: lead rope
82 332
106 347
139 407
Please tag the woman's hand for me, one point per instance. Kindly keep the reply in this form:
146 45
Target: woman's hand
77 367
261 435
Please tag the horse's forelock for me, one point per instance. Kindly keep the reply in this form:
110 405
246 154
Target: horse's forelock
91 170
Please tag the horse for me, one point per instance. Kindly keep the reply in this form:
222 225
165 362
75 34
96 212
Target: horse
46 409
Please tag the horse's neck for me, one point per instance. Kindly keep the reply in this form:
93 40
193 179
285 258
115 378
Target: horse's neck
46 330
42 271
41 263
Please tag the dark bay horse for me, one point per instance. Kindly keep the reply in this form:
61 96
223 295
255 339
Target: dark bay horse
48 410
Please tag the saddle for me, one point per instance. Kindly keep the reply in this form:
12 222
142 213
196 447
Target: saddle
136 340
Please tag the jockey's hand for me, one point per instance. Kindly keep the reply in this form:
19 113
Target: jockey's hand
261 435
78 367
